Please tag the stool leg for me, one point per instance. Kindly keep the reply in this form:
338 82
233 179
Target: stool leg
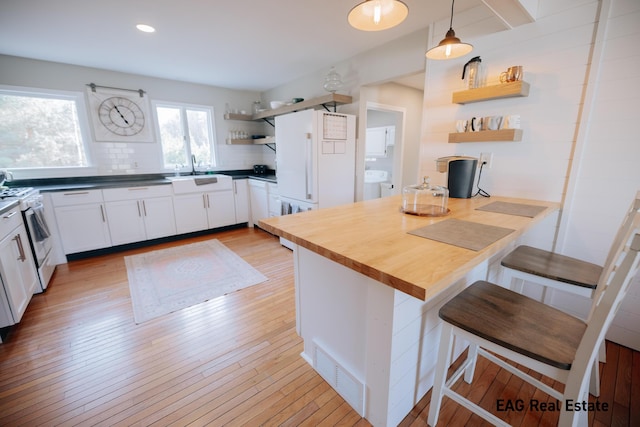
444 361
471 368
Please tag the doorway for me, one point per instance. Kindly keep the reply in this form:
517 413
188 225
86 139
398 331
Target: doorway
383 144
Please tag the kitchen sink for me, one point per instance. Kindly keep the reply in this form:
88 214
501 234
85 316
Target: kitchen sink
200 183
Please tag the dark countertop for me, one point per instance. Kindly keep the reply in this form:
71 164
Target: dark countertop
6 206
108 181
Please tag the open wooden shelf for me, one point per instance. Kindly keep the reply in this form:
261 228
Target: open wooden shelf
235 116
510 135
330 100
504 90
250 141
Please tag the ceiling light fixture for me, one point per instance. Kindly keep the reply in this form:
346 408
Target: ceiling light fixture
451 46
377 15
146 28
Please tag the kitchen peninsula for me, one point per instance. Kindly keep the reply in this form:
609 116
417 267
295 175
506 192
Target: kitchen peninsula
368 292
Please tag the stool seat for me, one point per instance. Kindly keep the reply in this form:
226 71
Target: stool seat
516 322
553 266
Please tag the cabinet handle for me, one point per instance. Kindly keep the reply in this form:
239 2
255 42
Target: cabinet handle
10 215
18 240
102 212
208 202
235 188
204 201
138 204
76 194
144 208
138 188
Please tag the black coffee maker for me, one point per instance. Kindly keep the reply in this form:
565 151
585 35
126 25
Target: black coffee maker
461 172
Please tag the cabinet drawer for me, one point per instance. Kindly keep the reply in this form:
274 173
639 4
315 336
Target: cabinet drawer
69 198
9 220
135 193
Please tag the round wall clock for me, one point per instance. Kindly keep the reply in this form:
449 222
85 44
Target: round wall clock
122 116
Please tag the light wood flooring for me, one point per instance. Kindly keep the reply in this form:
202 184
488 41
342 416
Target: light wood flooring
77 358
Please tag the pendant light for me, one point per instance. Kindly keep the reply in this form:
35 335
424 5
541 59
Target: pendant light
377 15
451 46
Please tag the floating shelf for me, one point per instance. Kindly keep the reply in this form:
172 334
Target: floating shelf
251 141
510 135
504 90
235 116
330 100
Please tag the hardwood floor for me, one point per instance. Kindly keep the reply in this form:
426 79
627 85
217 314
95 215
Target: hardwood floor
77 358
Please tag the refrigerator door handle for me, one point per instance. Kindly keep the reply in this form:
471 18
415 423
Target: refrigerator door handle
308 168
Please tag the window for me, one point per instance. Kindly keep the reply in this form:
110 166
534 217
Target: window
41 129
185 131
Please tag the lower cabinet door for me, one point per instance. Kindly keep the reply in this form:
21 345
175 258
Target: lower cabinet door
221 208
159 220
191 213
18 272
83 227
126 223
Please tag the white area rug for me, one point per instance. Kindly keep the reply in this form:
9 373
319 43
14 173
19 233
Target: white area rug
171 279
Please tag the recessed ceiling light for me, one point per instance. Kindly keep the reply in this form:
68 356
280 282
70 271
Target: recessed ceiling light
146 28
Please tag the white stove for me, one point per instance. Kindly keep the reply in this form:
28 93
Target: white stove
33 216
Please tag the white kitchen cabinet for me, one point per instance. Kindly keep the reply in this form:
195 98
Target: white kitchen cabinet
275 205
259 197
378 139
221 209
139 213
201 211
241 200
81 219
190 211
17 268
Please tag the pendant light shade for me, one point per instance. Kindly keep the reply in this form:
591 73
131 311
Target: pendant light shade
377 15
450 47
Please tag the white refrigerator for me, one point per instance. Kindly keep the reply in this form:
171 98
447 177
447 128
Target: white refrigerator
315 159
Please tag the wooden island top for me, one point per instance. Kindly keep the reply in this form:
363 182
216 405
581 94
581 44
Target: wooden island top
372 238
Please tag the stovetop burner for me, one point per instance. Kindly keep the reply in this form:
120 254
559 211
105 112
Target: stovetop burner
17 192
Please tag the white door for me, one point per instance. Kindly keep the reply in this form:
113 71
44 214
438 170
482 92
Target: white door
159 220
296 156
241 200
221 209
83 227
126 224
191 213
19 271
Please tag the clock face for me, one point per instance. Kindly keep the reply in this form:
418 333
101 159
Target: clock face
121 116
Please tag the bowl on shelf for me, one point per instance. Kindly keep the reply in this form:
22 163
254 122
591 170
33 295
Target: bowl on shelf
277 104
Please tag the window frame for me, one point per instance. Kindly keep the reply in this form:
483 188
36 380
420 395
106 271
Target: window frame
183 107
83 124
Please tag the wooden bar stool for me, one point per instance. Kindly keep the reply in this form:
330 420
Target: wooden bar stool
499 321
556 271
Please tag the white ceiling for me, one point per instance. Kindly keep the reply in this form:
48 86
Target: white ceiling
239 44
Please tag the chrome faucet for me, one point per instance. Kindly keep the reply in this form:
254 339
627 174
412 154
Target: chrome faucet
193 164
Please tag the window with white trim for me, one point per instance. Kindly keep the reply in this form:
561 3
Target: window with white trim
185 131
42 129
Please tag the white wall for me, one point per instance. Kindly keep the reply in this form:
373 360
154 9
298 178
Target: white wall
23 72
607 173
584 159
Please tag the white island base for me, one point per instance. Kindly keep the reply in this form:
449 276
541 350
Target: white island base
375 345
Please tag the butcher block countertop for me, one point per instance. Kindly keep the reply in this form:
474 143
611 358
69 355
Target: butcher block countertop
372 238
